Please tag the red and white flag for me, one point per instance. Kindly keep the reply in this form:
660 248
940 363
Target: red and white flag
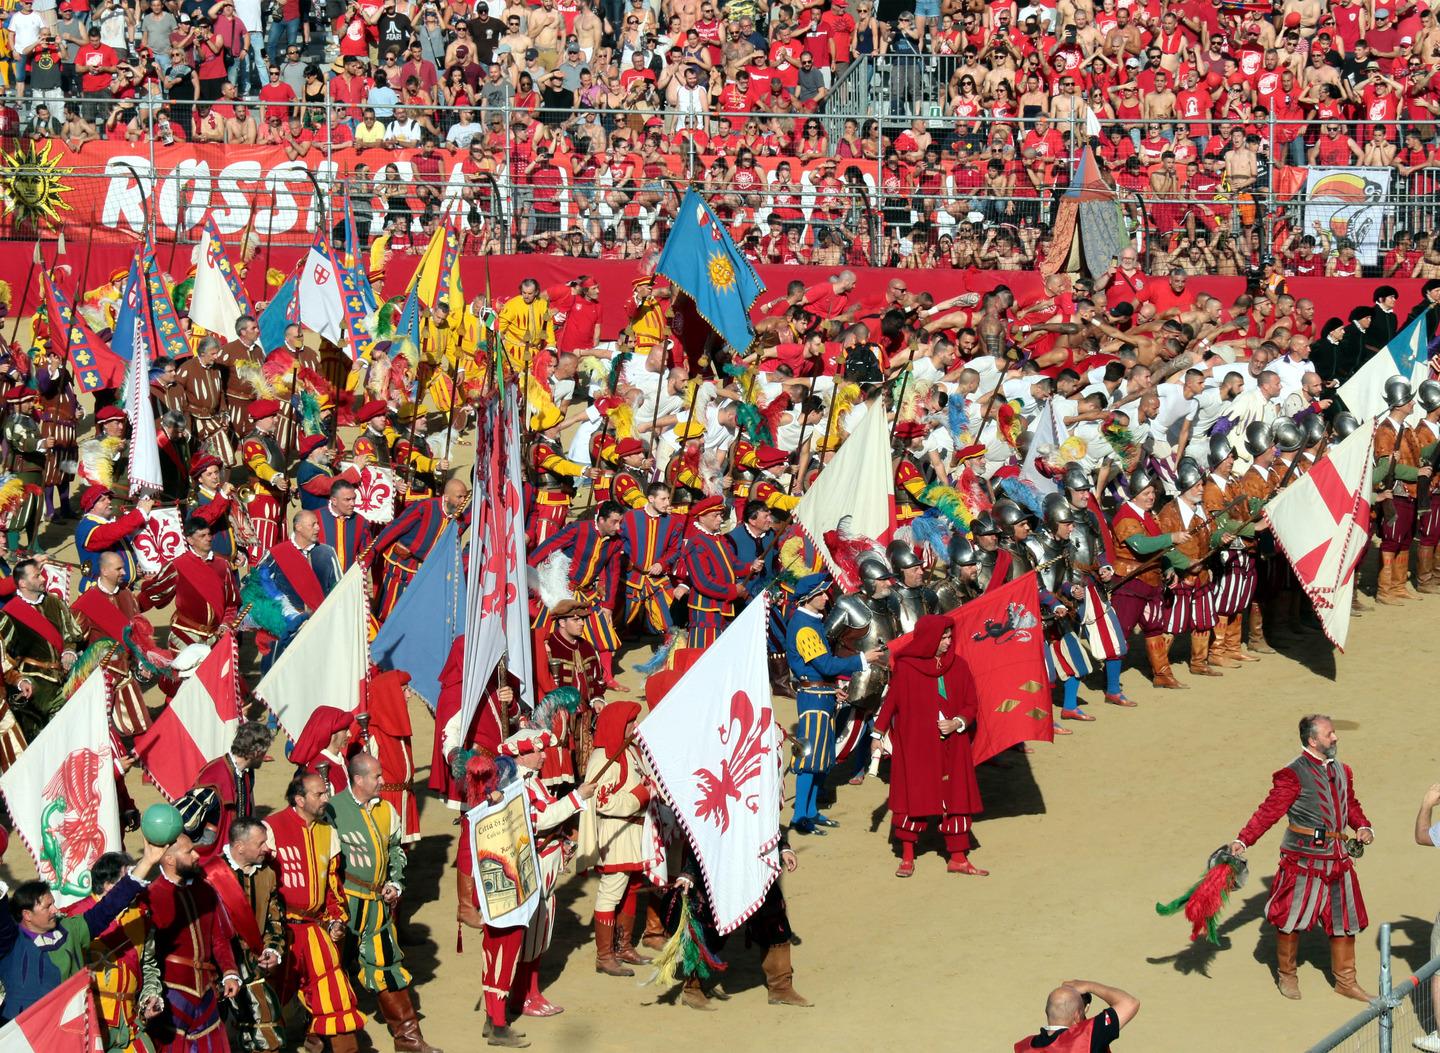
57 579
714 749
327 662
198 725
64 1021
61 792
1321 522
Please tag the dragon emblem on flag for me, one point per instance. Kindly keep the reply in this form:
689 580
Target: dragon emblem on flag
744 736
1016 626
71 834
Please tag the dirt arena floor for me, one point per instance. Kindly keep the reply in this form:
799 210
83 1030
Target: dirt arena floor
1082 837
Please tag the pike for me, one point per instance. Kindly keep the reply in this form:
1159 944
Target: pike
801 465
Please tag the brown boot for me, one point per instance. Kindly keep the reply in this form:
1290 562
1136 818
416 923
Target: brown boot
1286 945
1385 591
693 995
624 949
1220 655
1158 648
1257 631
1234 628
503 1035
778 974
654 936
1425 580
1402 576
605 960
398 1009
1200 654
1342 965
780 680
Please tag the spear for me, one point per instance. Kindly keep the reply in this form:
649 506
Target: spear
800 466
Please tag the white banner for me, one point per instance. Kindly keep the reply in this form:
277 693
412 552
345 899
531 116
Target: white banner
161 540
858 482
1349 203
503 859
714 749
60 793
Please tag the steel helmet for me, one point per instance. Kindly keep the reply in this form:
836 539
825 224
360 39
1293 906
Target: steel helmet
1315 426
1007 515
873 570
1188 473
983 525
1287 434
1057 511
901 555
1076 477
1398 393
1429 395
1258 438
1344 424
1220 450
1142 479
961 552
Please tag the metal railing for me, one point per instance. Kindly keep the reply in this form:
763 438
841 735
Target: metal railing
1401 1013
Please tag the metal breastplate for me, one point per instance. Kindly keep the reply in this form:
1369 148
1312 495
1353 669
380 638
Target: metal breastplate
913 604
1086 547
986 562
1054 563
867 687
1022 561
951 594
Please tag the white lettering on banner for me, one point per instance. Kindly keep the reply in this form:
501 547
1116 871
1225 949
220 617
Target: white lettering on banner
236 214
172 193
124 200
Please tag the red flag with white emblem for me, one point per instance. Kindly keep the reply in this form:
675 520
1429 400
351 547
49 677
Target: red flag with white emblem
1321 522
197 726
64 1021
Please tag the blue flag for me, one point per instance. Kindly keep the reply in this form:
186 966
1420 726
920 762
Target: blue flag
279 313
430 613
131 294
701 259
408 324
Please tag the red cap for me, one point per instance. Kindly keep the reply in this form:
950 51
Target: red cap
712 503
200 462
18 394
588 282
910 429
628 447
975 449
770 457
370 411
106 415
91 497
263 409
311 443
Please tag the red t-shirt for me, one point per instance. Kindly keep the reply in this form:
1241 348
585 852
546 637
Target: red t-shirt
1163 298
89 57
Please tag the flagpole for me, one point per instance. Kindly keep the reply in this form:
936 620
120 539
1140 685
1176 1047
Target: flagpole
800 466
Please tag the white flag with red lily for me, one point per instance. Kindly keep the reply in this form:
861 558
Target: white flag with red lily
1321 522
714 749
64 1021
197 726
61 793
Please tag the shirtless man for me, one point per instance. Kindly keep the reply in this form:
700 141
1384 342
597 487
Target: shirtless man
1241 163
588 29
1159 105
241 129
517 40
209 128
546 28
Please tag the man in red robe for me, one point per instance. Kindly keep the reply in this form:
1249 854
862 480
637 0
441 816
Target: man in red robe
496 714
929 713
232 777
387 734
206 596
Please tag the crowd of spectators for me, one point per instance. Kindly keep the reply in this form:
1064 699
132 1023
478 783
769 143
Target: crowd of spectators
598 112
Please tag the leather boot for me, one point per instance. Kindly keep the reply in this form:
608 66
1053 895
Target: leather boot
780 681
694 996
1342 965
1385 582
624 949
1200 656
778 974
1220 655
1286 946
654 936
1234 629
399 1012
503 1035
1425 570
605 960
1402 576
1158 648
1257 631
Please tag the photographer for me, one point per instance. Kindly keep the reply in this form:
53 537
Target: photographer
1067 1027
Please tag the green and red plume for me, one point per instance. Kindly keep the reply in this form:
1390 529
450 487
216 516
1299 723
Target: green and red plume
1204 900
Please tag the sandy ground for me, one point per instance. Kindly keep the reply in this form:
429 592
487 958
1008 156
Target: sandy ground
1082 838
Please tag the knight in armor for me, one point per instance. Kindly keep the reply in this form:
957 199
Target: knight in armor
1397 458
816 671
986 536
1316 883
1017 550
1191 603
913 597
961 583
1140 553
1427 522
1254 489
265 462
1092 567
1232 583
628 484
1066 660
858 624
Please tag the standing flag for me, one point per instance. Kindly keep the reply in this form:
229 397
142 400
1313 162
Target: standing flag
144 469
322 301
218 299
1049 434
198 725
714 749
857 483
1406 355
63 1021
358 308
327 662
282 311
1002 640
354 259
1321 521
437 274
430 613
512 530
701 259
130 312
169 338
96 367
60 792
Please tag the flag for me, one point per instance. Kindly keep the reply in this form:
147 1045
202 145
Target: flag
700 258
503 844
327 661
714 749
60 792
144 446
1002 640
322 302
169 338
280 313
418 633
1321 521
95 366
1406 355
130 311
198 725
63 1021
354 261
1049 434
858 482
512 530
358 307
218 299
437 274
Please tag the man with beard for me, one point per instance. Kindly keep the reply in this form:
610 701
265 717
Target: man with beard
192 943
1316 882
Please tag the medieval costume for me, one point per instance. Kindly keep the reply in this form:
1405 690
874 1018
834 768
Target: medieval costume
251 898
192 943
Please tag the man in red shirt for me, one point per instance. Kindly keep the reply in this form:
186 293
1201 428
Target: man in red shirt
351 88
1165 299
1044 140
276 95
545 179
97 63
577 309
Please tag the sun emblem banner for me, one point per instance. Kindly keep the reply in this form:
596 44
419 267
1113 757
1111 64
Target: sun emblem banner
505 865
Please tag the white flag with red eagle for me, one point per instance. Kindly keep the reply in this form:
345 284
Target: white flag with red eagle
198 725
1321 522
61 792
714 749
64 1021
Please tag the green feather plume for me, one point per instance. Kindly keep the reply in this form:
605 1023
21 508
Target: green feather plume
562 698
949 502
182 295
685 954
86 664
617 369
752 423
